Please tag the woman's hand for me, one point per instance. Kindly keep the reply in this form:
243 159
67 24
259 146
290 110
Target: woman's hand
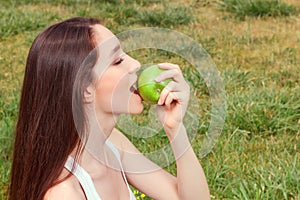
174 98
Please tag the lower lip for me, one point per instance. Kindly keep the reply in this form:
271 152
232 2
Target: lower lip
138 96
135 93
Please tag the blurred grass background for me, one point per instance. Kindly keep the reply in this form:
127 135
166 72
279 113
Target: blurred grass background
255 45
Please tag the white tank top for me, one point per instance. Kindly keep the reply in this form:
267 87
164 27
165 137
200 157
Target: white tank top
86 181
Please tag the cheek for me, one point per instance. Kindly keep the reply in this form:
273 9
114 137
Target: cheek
112 91
103 94
120 93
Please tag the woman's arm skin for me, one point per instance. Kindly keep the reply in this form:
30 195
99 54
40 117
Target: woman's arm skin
156 183
173 102
190 182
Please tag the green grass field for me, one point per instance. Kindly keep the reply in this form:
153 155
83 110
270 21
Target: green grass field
256 48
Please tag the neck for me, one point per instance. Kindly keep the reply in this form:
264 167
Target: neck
96 151
100 126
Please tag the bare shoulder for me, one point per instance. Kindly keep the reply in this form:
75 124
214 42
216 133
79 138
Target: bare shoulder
122 142
68 189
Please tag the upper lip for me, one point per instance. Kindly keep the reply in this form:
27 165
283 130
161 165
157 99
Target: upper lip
134 85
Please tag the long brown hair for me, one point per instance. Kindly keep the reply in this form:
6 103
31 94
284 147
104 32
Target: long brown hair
45 132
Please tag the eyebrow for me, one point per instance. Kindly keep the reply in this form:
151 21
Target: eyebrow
115 49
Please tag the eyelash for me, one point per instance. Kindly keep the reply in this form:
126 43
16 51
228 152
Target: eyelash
119 61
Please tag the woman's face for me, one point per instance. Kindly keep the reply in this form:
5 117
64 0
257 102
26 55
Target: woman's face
115 85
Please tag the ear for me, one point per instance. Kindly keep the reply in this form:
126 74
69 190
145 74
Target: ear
88 94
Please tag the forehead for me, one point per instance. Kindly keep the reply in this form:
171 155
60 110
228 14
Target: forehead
105 39
102 34
107 47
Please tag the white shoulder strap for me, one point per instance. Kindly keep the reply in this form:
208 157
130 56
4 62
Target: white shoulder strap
84 179
117 154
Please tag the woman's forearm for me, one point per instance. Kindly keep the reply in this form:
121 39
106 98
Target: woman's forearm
191 179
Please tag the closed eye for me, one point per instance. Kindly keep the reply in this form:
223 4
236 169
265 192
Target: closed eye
119 61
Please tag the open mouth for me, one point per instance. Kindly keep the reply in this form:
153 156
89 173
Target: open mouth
133 88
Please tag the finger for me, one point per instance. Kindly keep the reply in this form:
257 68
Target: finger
171 86
163 96
168 66
170 98
180 97
172 73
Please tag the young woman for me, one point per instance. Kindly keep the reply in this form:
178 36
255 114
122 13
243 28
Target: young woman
65 143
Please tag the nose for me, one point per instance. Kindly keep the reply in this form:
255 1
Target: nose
134 66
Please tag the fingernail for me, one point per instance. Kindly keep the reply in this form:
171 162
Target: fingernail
159 65
159 102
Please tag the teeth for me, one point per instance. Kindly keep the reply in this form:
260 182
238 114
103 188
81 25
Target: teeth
134 85
133 88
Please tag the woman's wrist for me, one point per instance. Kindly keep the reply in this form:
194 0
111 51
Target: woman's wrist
178 139
173 130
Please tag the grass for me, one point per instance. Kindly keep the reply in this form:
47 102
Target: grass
167 17
257 155
258 8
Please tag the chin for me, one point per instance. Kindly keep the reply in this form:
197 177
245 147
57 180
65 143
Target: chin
138 109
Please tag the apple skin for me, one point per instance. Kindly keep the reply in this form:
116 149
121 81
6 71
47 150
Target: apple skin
148 88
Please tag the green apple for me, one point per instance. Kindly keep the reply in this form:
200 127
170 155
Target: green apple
148 88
